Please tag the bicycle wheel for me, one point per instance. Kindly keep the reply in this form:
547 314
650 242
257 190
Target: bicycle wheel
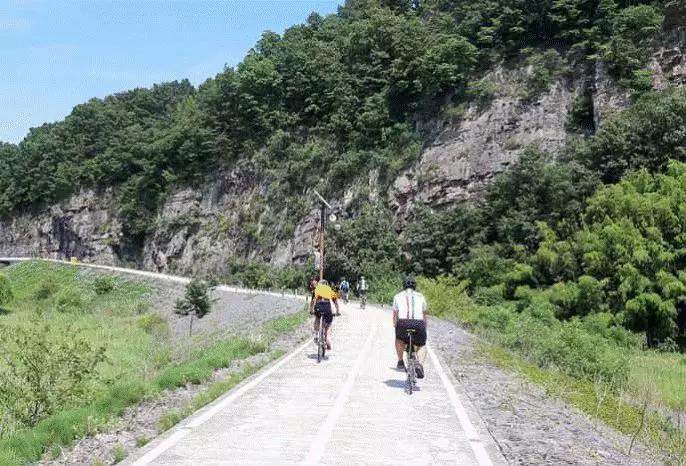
321 346
410 382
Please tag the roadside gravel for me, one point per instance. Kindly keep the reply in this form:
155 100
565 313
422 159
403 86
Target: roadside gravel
529 426
241 313
233 313
140 423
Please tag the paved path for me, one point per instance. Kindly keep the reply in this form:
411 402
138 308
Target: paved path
349 409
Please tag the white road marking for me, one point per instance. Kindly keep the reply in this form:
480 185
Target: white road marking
472 435
325 430
203 415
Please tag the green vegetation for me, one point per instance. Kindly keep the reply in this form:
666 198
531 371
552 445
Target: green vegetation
574 266
589 361
321 105
263 276
196 300
75 368
575 261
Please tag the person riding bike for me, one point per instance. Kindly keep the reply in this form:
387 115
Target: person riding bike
409 312
362 288
320 306
345 289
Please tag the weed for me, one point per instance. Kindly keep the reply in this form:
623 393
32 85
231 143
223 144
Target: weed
104 284
119 453
142 441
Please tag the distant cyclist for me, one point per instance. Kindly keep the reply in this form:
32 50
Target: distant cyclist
409 312
337 294
320 306
345 289
362 288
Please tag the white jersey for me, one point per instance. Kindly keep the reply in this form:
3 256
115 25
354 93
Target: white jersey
409 304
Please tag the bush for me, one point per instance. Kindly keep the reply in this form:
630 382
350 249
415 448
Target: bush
151 323
70 300
104 284
446 296
196 300
49 370
542 69
46 288
6 294
520 274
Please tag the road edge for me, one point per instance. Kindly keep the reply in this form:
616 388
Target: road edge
485 437
170 437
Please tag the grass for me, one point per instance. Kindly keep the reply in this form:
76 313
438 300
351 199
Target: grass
214 391
285 324
597 402
667 371
119 453
70 424
593 365
115 313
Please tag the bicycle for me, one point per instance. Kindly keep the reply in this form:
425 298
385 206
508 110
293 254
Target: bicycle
321 340
411 367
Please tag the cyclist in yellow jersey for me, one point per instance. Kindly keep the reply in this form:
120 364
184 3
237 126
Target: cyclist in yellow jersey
320 306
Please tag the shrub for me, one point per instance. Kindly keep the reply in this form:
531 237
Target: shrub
104 284
196 300
520 274
47 288
70 300
6 294
151 323
49 370
447 298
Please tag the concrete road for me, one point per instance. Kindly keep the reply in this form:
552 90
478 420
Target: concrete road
349 409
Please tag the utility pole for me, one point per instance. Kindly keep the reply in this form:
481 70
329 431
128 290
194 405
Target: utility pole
323 205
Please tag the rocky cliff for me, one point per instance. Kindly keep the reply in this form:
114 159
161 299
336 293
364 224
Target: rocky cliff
199 229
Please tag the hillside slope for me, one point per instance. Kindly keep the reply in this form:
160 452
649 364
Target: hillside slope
399 105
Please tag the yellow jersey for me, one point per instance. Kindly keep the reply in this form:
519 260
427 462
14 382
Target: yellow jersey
324 292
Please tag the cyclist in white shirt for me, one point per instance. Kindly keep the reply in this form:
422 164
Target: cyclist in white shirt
409 312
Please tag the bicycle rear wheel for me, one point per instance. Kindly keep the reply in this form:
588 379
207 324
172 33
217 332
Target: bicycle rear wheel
321 346
411 374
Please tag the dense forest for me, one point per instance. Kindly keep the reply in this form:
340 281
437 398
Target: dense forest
597 228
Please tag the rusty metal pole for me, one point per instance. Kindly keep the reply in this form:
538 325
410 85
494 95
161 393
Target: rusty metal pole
322 222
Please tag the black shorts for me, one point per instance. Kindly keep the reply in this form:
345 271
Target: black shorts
418 338
323 309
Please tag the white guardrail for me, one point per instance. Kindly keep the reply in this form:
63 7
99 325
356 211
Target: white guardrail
154 275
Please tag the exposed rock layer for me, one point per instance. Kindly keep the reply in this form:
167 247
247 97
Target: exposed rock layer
199 229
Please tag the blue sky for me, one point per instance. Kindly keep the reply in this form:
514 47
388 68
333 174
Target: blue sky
57 54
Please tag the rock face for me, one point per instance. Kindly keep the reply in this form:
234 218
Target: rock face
466 156
198 230
85 225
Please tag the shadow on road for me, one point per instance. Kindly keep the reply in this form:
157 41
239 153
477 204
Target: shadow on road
394 383
314 356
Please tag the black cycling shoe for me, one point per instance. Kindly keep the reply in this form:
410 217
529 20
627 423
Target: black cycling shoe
401 365
419 370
